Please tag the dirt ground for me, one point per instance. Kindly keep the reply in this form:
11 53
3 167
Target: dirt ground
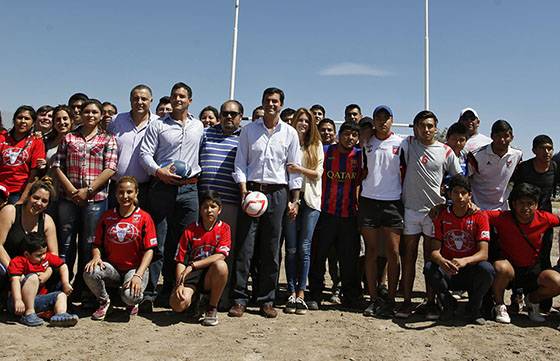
320 335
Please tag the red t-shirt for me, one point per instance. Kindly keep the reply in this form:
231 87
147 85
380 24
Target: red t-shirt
512 243
124 240
197 243
18 159
459 236
20 266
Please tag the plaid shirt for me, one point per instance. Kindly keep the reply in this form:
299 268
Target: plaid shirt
83 161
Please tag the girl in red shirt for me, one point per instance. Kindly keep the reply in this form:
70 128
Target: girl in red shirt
126 236
22 153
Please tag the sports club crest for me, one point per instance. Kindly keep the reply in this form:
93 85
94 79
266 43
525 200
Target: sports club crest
396 149
123 232
424 159
14 156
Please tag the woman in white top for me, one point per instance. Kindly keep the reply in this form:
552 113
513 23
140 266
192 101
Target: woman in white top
299 231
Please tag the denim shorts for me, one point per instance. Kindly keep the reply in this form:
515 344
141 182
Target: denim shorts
42 303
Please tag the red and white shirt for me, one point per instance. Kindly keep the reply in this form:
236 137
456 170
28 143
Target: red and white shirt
20 266
512 243
18 159
197 243
124 240
459 236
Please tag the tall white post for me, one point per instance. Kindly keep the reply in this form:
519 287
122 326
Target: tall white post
426 57
234 52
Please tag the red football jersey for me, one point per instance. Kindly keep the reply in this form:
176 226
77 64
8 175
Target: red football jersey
124 240
197 243
459 236
20 266
512 243
18 158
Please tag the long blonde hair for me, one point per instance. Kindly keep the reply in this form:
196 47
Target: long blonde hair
311 140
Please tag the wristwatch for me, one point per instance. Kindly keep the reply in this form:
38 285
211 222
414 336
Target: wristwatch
89 191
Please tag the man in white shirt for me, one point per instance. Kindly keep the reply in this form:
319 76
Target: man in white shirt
266 147
381 210
491 168
469 117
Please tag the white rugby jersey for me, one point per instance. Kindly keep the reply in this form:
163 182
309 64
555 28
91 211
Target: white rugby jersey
490 175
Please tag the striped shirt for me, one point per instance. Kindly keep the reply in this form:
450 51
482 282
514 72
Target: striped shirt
217 158
341 177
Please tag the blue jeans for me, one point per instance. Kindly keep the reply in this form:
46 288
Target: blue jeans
298 234
476 279
77 222
172 208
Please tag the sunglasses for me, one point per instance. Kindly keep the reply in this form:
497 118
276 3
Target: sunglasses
225 114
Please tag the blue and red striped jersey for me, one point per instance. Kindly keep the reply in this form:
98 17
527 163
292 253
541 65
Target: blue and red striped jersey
341 177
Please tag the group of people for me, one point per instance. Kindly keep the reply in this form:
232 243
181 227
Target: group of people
134 196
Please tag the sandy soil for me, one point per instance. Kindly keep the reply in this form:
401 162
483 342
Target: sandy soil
321 335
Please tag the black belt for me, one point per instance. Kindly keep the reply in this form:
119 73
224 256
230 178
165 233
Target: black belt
264 188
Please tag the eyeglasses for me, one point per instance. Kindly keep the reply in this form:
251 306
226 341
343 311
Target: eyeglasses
225 114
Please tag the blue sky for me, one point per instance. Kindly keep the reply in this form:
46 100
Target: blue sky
500 57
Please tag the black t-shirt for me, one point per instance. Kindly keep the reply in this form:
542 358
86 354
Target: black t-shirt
547 181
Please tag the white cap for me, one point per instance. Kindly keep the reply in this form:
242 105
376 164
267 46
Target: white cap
468 110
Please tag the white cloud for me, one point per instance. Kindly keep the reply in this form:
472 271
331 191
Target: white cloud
343 69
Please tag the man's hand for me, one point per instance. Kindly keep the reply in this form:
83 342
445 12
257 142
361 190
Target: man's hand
459 263
164 174
183 276
180 293
448 267
436 210
472 209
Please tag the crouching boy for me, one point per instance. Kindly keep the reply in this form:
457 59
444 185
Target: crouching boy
200 258
460 253
28 295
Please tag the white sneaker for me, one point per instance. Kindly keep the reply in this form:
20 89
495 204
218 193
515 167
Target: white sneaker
502 315
534 311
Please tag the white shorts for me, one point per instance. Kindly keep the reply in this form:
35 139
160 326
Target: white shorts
417 223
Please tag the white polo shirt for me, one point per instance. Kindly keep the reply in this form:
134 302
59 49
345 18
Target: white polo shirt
383 180
477 141
490 175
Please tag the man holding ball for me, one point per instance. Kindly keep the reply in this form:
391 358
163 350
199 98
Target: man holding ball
266 147
169 153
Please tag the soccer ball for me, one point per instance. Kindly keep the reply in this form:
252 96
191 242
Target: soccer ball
255 204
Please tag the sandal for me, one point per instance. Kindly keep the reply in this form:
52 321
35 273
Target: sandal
64 320
31 320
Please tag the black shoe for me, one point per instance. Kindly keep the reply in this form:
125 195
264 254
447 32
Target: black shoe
146 306
383 292
449 305
387 310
